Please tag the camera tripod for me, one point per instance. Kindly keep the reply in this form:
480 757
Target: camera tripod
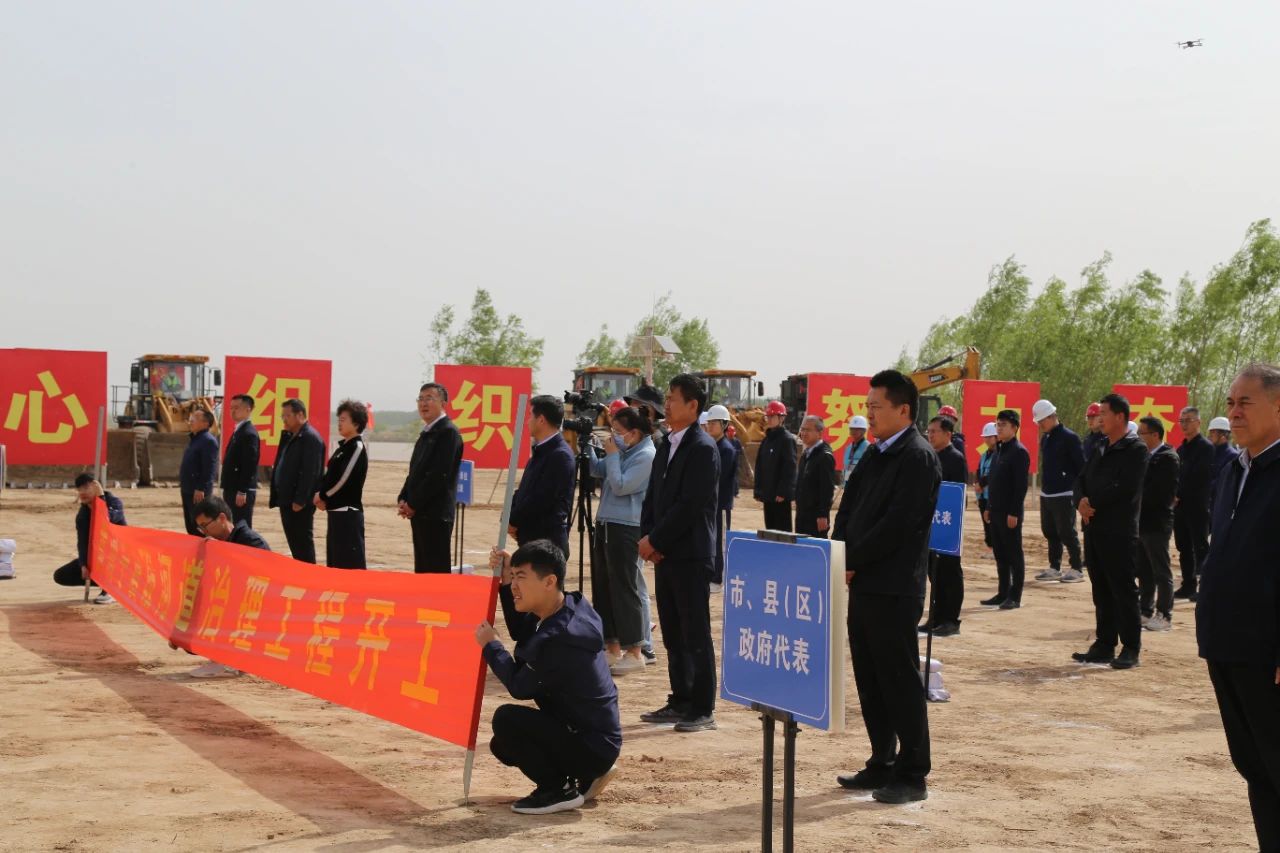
582 509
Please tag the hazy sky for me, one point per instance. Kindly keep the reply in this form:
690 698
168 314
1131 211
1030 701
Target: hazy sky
820 180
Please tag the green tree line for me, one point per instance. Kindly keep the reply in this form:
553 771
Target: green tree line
1078 342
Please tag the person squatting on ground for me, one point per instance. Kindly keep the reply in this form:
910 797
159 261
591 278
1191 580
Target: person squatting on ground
76 572
341 494
428 498
946 577
239 478
1006 503
776 469
815 480
1155 526
299 467
1061 461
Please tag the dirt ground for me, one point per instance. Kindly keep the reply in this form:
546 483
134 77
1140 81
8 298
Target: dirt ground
108 745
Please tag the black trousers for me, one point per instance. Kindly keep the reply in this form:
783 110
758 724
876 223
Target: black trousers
344 539
544 748
886 669
1058 524
1249 701
69 575
947 589
986 525
684 615
777 516
808 525
1155 574
724 521
1115 595
1011 563
299 531
432 545
241 513
1191 537
188 513
615 583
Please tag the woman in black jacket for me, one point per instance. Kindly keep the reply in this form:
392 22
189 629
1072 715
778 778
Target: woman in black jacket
342 490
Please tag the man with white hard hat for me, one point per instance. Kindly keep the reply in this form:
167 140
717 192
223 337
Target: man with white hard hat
715 421
1061 461
857 445
989 439
1223 452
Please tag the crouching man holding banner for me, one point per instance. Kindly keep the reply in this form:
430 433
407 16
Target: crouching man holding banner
568 744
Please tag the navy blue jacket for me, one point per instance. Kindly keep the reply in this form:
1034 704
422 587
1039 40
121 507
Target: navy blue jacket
199 463
1112 481
84 517
431 486
1158 488
728 472
1238 605
1007 480
679 512
1061 460
954 467
299 467
1222 454
560 664
1195 456
541 506
1093 442
240 466
243 534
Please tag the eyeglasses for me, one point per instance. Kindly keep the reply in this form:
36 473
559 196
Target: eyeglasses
429 400
204 528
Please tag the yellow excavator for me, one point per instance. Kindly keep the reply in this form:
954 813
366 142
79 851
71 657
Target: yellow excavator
966 364
165 389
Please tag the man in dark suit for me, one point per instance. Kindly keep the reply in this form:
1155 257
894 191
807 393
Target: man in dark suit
815 480
775 483
1191 510
240 465
716 422
885 519
199 466
1006 497
678 535
429 495
1155 526
945 572
298 469
541 506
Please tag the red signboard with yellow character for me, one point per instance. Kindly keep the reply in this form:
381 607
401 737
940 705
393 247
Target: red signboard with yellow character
482 404
49 401
271 381
837 397
1162 401
983 399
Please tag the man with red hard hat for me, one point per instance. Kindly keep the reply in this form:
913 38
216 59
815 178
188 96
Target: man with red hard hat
957 438
1095 438
776 469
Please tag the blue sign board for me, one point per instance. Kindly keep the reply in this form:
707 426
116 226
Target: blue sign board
947 535
466 474
784 627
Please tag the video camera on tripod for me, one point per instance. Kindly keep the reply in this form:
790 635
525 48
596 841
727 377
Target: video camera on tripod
586 413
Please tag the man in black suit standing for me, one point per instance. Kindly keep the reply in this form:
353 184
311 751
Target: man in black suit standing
198 468
1006 499
1191 509
240 466
678 535
298 469
885 519
945 572
540 508
429 496
775 482
815 480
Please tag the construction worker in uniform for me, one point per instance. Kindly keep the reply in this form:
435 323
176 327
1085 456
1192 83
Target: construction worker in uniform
776 469
857 445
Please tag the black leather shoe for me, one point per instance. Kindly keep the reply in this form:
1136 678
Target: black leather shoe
1127 659
1094 655
1010 604
994 601
665 714
866 779
897 793
1184 592
947 629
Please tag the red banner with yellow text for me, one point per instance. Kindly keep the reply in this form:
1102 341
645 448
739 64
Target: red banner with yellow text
392 644
1165 402
837 397
983 399
482 404
271 381
49 401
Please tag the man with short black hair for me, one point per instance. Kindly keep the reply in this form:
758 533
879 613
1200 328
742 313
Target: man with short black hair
1061 461
775 484
567 745
298 469
429 497
240 464
76 572
945 572
1110 498
1155 526
1006 503
885 519
543 503
678 535
1191 511
199 466
815 480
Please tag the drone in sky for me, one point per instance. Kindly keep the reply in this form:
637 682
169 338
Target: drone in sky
1192 43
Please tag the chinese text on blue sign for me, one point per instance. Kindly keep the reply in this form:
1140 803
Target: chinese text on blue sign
466 474
948 520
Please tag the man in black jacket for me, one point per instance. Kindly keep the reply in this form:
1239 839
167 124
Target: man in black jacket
678 535
199 466
299 466
1061 461
1238 608
74 573
1006 502
1094 440
341 492
240 465
213 517
1191 511
945 572
885 519
541 506
775 484
815 480
428 497
1110 497
569 743
1155 526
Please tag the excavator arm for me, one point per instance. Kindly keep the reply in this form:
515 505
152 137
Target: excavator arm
947 370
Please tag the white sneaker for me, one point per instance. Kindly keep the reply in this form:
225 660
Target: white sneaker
1157 623
598 784
625 664
1049 575
103 597
214 670
1072 576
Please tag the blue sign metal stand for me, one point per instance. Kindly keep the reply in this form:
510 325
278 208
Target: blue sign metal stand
463 493
946 537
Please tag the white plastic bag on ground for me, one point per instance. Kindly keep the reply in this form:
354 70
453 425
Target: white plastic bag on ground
936 692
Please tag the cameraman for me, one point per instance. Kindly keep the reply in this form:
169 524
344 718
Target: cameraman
541 506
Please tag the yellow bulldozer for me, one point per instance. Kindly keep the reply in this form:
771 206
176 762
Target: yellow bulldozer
165 389
740 393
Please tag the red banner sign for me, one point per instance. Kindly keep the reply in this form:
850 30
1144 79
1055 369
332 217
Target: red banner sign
482 403
1165 402
49 400
271 381
983 399
837 397
395 645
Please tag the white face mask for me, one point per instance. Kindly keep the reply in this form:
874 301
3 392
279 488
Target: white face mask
620 439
